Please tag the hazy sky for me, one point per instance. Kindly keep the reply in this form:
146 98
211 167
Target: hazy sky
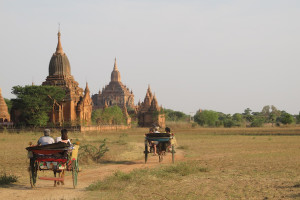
220 55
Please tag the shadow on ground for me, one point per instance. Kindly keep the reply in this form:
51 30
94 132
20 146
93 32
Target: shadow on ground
123 162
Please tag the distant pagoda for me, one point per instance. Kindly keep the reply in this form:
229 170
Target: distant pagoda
4 115
149 112
115 93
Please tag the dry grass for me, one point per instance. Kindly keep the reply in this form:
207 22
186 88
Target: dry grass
241 163
247 166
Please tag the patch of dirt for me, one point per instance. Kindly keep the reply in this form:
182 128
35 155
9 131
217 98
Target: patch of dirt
45 189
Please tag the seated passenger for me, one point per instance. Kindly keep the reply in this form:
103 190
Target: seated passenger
155 143
64 136
46 139
57 139
156 129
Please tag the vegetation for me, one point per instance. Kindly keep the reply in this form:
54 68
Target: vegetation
8 103
125 181
207 117
111 115
7 179
269 114
172 115
35 102
88 151
286 118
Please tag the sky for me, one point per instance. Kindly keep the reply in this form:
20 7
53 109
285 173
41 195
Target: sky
196 54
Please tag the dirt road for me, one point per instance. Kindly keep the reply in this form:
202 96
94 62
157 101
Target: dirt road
45 189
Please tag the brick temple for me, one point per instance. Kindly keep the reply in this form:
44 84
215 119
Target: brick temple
4 115
149 113
76 107
115 93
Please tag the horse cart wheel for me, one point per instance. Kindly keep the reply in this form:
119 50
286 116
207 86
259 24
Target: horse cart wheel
146 152
75 170
33 172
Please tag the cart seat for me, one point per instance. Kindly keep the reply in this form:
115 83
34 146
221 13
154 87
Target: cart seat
155 135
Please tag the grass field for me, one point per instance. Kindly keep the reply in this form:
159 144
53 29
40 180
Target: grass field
237 163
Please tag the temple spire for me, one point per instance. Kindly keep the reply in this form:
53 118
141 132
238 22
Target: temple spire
115 65
115 74
87 90
59 49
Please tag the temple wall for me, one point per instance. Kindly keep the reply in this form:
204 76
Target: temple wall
104 128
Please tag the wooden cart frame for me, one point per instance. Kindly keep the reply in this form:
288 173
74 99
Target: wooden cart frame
163 139
43 158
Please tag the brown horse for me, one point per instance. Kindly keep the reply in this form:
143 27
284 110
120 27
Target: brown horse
61 174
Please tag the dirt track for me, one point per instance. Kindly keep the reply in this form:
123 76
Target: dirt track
45 189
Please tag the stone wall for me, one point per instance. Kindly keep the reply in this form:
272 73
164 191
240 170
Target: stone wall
104 128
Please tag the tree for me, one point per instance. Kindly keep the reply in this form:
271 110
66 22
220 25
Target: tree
96 116
8 103
172 115
286 118
206 117
228 123
258 122
237 117
247 115
36 102
274 114
110 115
265 111
298 118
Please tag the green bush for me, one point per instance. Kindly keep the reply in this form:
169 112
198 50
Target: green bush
257 122
7 179
207 117
91 152
172 115
110 115
286 118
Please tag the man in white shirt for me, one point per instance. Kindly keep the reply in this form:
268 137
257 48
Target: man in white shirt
46 139
156 129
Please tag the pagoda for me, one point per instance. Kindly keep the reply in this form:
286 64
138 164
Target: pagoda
76 107
4 115
115 93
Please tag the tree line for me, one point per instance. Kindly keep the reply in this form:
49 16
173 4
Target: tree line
268 114
34 103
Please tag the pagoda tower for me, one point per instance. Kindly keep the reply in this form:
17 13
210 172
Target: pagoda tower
4 115
115 93
149 113
69 109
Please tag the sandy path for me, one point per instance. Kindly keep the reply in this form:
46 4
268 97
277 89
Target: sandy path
45 189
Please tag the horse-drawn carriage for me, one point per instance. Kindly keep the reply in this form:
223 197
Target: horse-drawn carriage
164 143
58 157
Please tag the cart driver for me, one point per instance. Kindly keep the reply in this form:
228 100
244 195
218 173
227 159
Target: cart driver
46 139
168 130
